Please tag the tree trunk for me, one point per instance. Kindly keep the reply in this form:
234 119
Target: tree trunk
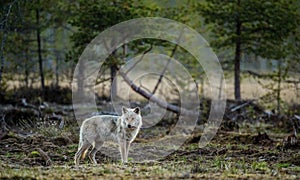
279 86
113 73
202 87
237 59
80 79
220 89
38 36
57 69
2 56
26 68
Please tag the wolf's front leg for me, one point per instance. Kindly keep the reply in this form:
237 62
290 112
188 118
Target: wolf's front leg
122 145
127 150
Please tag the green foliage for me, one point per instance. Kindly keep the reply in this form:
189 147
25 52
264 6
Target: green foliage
265 24
92 17
35 153
283 165
20 50
254 27
270 29
294 46
260 166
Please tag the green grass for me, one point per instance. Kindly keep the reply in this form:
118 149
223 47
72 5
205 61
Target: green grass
185 167
283 165
244 161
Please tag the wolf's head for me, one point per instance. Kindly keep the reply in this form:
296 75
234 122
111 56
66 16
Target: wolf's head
131 118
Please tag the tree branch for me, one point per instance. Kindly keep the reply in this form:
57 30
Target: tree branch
259 75
141 58
45 157
165 68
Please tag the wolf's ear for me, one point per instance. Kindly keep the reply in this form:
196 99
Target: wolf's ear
137 110
124 110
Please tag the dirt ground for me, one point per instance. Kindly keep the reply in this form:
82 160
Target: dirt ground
236 155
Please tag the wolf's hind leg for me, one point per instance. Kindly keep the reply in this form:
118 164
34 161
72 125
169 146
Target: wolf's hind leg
81 152
77 156
96 146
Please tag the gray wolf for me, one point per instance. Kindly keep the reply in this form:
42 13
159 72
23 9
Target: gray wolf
99 129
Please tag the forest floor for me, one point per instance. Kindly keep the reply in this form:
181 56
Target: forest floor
237 155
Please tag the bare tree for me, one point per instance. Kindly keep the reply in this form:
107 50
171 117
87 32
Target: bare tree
39 50
3 25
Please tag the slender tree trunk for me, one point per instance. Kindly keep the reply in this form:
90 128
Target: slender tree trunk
297 87
38 35
26 68
237 59
202 87
80 78
220 89
279 86
113 73
56 70
2 55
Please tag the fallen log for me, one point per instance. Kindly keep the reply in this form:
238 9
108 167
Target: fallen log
45 157
161 103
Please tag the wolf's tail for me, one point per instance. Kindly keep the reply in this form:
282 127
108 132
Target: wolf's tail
84 154
81 142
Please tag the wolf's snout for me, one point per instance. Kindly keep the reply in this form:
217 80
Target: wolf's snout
129 126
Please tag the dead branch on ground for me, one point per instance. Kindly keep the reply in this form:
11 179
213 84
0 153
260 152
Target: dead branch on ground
45 157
